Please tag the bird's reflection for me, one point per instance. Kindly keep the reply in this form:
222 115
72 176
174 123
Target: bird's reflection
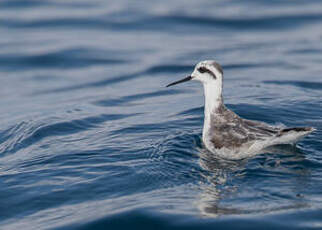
221 175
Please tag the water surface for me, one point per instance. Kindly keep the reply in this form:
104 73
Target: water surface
91 138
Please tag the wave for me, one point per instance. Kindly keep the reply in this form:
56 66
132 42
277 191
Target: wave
29 133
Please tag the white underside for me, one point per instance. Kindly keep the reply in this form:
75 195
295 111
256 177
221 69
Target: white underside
255 147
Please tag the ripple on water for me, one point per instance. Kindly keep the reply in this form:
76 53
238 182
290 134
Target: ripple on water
66 59
28 133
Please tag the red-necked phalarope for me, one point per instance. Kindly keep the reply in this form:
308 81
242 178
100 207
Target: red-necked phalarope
227 134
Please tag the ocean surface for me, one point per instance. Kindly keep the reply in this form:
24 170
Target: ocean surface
90 138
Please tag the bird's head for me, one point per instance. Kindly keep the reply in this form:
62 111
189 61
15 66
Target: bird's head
207 72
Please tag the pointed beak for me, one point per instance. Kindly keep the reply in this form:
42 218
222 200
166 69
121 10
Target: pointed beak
180 81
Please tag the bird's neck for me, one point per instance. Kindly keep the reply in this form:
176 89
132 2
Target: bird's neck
213 105
213 98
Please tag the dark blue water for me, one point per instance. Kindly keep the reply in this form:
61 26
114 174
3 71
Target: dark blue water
91 139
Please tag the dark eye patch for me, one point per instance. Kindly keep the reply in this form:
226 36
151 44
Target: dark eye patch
202 69
205 70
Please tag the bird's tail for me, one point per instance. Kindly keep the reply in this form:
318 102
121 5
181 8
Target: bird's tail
292 135
297 129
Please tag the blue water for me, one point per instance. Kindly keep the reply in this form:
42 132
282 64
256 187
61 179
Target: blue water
91 139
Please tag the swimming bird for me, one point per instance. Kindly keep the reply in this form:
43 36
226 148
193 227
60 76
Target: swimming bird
227 134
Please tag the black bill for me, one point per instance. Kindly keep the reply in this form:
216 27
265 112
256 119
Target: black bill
180 81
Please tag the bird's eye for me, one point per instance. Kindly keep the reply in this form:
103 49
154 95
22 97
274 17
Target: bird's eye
205 70
202 69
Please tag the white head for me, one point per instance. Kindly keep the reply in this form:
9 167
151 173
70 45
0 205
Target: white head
207 72
210 74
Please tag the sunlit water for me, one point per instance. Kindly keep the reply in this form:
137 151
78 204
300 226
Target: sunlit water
90 138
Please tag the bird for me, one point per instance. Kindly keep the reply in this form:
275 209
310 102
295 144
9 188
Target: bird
227 134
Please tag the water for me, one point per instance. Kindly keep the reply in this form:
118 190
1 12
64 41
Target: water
91 139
